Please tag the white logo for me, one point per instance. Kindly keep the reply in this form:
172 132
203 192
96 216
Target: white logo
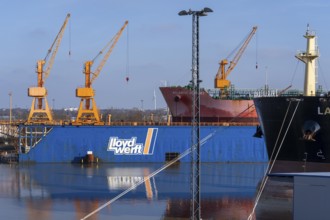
124 146
131 147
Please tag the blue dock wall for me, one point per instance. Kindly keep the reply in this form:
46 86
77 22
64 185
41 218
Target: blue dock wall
71 143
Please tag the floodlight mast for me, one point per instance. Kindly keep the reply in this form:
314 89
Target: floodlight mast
195 145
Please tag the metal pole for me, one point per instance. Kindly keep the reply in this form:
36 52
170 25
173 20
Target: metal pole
10 107
195 135
195 183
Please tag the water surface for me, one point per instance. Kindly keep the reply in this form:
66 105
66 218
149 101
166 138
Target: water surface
69 191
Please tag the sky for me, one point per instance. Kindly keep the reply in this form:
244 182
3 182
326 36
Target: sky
155 48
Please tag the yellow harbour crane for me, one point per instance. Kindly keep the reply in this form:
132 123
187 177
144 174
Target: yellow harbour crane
221 82
40 112
88 113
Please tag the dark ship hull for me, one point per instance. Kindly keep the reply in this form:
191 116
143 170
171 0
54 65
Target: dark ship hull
296 131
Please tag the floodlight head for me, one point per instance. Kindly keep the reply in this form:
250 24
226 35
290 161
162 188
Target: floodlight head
207 10
183 12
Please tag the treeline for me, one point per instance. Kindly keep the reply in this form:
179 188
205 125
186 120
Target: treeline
117 115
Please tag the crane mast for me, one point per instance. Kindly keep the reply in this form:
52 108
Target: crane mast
88 112
40 111
221 82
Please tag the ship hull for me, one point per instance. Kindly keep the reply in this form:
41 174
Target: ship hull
296 132
179 102
113 144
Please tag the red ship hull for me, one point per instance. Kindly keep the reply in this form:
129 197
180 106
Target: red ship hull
179 102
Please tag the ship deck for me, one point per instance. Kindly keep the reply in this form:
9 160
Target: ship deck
185 123
7 126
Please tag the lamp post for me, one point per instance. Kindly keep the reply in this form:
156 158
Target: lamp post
10 106
142 105
195 145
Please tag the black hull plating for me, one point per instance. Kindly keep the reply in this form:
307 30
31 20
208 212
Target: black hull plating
296 129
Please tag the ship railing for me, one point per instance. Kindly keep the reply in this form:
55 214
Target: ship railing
312 53
31 130
292 92
246 94
249 123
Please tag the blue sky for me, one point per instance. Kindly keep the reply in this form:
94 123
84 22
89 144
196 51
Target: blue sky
158 42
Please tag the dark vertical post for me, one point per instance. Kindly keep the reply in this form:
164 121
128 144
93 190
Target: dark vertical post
195 139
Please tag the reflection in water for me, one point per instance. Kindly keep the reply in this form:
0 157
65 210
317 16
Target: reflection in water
65 191
222 208
276 201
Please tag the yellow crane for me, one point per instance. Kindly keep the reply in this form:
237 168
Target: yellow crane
221 82
88 112
40 111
